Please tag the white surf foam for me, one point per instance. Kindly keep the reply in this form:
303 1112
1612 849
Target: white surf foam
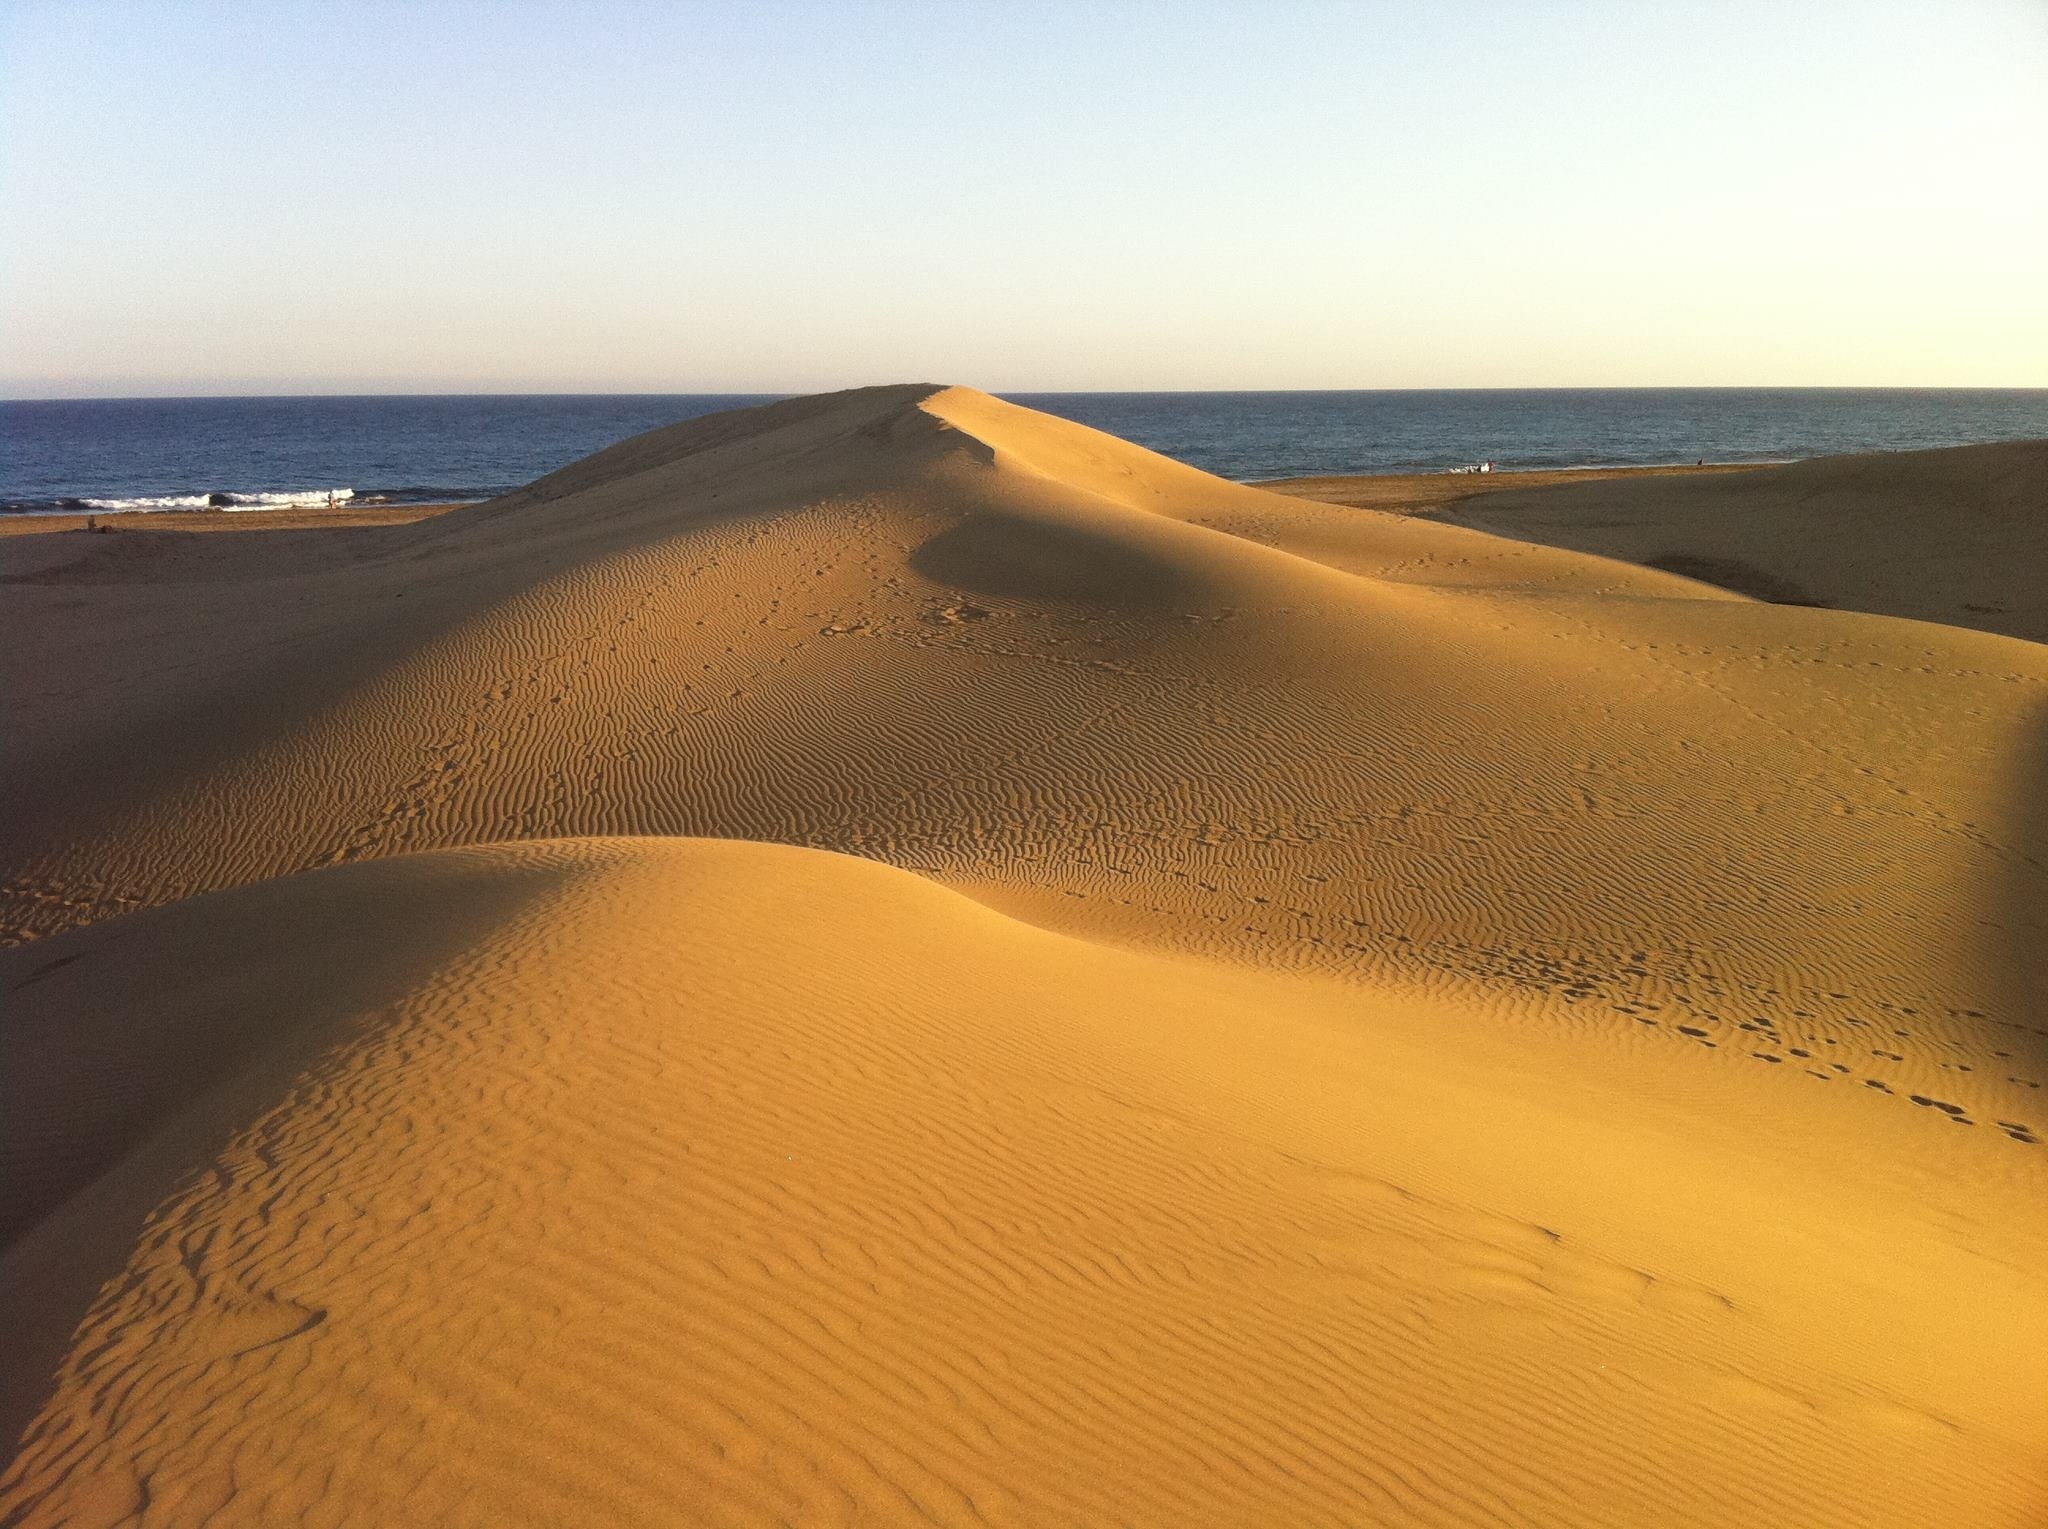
310 498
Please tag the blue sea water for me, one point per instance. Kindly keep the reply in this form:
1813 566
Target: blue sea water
166 453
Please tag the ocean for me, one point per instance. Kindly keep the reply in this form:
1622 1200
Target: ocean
249 453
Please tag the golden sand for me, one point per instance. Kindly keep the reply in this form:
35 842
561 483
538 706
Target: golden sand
1234 1011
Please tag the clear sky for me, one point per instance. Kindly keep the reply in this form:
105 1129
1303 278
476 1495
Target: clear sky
366 197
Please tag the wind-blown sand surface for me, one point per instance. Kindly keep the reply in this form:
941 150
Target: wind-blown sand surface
1238 1011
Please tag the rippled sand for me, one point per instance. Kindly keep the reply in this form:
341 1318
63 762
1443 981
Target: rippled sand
888 958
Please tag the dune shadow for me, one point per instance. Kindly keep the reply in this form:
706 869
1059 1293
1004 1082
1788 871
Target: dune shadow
134 1050
1018 557
2022 912
1734 574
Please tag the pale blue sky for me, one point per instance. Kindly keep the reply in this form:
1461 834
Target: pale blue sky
299 197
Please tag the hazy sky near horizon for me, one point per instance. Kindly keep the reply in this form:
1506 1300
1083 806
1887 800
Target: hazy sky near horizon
370 197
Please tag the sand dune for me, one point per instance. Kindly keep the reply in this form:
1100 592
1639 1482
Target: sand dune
1437 1029
1957 536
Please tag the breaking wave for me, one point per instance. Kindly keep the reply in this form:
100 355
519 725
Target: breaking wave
280 499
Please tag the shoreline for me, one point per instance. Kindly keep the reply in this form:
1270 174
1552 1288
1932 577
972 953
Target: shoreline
1398 493
188 521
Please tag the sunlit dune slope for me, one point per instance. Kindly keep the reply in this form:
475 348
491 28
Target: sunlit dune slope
647 1181
1438 1029
996 648
1958 535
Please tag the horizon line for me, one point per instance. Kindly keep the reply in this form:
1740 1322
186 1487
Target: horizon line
1047 392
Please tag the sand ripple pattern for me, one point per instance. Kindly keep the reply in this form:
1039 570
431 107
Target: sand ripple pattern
614 1221
1438 1030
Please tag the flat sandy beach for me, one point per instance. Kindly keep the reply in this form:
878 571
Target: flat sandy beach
887 958
129 521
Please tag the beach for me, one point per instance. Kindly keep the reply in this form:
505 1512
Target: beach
890 958
308 519
1398 493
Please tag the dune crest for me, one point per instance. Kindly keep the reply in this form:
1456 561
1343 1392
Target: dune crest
1388 1024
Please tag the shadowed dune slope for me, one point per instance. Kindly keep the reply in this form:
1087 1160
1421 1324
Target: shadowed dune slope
1958 535
1361 881
724 1183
